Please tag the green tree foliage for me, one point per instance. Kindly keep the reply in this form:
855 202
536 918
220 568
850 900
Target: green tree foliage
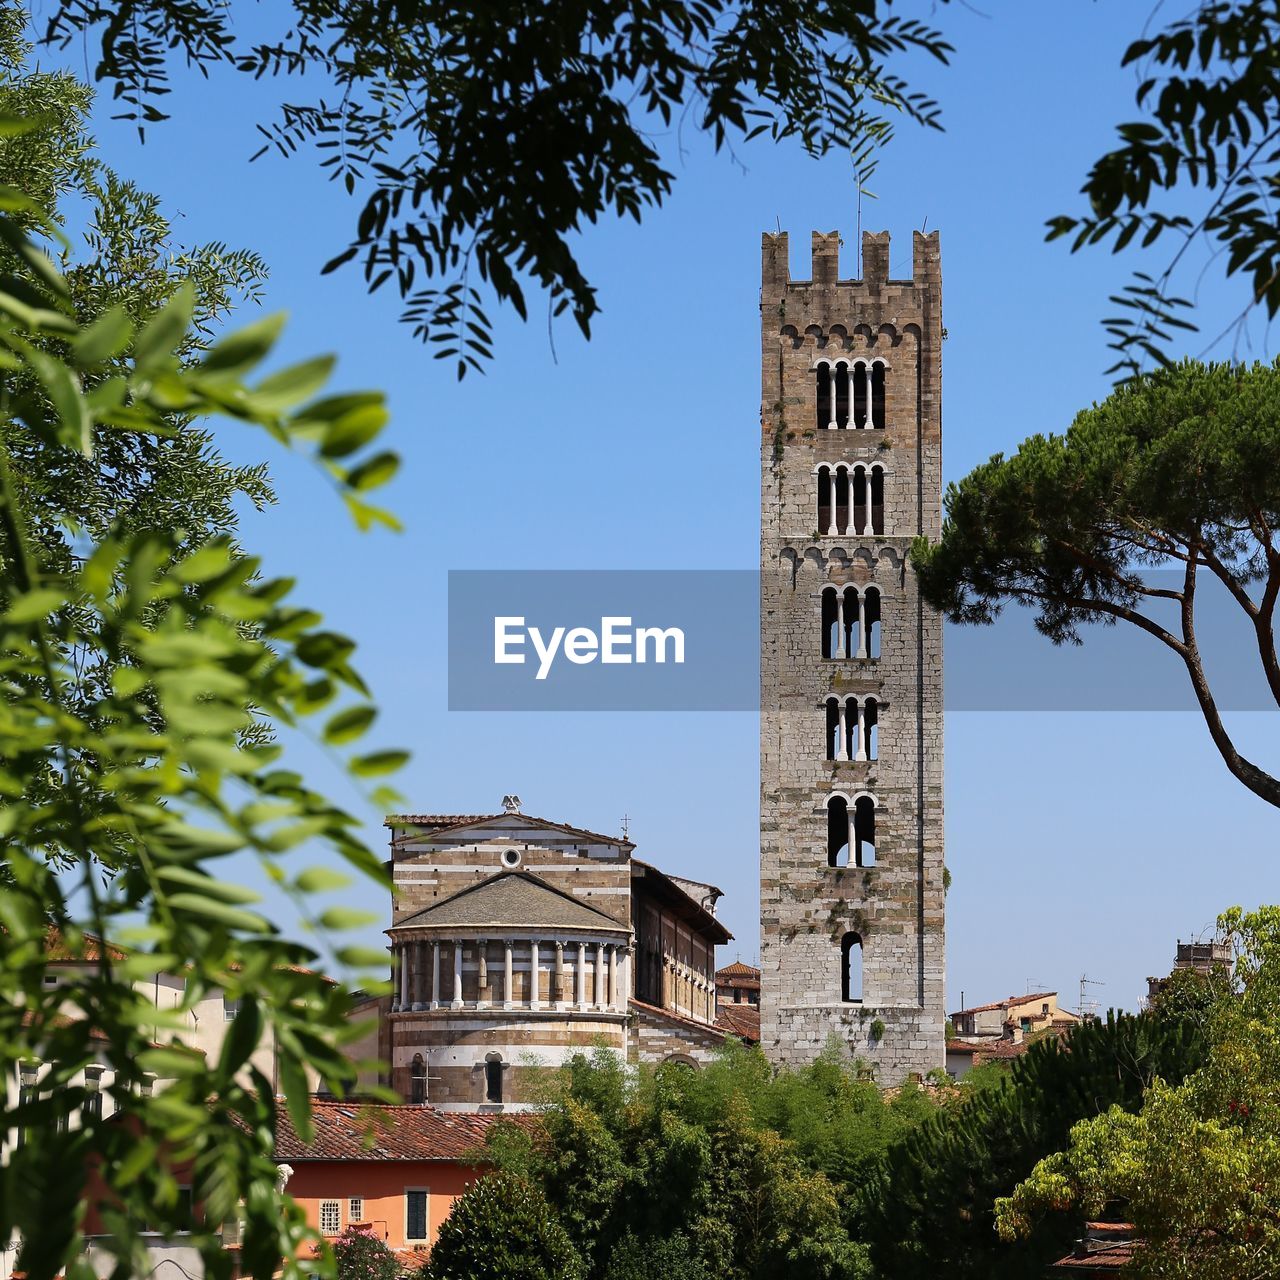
124 258
1208 139
152 774
1187 995
929 1211
503 1228
1197 1169
728 1171
360 1255
1178 468
483 137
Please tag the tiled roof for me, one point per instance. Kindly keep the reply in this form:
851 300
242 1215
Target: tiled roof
738 970
373 1131
57 948
741 1020
1006 1003
513 899
988 1048
1105 1247
445 821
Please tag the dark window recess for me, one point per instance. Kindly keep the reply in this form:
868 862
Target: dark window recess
416 1214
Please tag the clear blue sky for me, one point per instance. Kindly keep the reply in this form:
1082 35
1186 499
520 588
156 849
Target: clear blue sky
1078 842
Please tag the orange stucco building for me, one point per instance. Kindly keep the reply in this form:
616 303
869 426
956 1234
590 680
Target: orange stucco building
394 1169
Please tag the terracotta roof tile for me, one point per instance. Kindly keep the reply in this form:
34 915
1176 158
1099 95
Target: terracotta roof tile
738 970
57 948
378 1131
445 821
1005 1003
741 1020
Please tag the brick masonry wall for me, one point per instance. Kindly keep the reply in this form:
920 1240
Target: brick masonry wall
807 906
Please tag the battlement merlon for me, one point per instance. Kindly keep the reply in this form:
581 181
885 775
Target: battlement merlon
775 274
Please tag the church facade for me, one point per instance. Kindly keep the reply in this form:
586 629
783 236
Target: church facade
851 857
517 942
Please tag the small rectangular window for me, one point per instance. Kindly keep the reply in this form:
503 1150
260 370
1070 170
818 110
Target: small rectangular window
415 1208
330 1217
355 1209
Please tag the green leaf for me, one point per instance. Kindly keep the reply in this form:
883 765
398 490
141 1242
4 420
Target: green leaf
204 884
218 912
243 1037
240 351
377 763
34 605
348 725
342 918
104 339
292 385
321 880
165 330
75 426
353 431
374 472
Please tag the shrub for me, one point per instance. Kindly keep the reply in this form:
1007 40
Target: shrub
362 1256
503 1228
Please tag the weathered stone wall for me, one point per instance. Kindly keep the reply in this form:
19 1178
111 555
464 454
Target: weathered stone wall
434 867
897 905
657 1037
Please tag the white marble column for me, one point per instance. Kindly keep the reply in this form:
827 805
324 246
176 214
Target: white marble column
582 975
831 382
861 752
506 982
613 977
557 995
862 627
599 975
535 997
457 976
482 975
435 975
842 749
397 977
839 649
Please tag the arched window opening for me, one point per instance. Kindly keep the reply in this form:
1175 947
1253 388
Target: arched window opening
840 499
841 376
418 1080
851 968
877 500
493 1077
870 614
837 832
877 395
864 832
830 622
871 728
834 735
859 498
824 399
859 396
826 500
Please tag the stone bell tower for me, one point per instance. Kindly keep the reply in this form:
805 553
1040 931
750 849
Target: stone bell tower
851 870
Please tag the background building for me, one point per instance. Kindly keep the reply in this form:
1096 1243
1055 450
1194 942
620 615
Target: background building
851 858
518 941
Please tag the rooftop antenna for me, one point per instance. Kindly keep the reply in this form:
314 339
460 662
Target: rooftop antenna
1086 981
626 825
